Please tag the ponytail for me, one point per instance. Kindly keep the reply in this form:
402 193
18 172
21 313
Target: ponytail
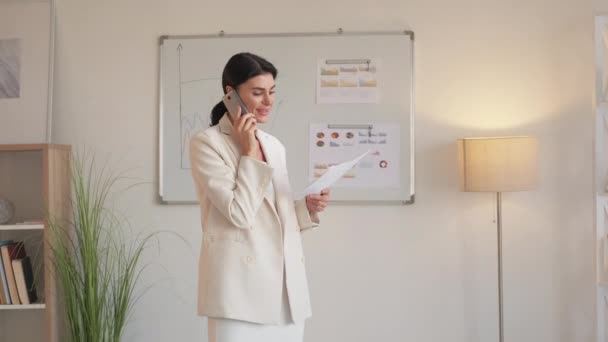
217 112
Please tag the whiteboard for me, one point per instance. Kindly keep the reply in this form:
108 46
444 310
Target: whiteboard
190 85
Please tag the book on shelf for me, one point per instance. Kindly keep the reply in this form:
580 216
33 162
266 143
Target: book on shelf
24 277
10 252
30 222
5 297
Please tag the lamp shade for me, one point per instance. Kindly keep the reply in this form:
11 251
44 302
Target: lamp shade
498 164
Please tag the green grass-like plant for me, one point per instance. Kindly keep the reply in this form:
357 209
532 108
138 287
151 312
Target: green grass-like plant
96 267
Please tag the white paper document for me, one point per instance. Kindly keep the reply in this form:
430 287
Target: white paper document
331 176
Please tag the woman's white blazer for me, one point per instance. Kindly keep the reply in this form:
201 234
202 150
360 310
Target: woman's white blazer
246 238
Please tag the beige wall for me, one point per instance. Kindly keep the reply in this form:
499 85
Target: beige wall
422 273
600 7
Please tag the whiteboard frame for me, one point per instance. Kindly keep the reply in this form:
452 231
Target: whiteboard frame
222 34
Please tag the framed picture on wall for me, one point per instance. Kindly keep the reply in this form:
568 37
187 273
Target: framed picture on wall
25 46
10 59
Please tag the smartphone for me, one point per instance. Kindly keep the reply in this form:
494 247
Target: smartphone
232 100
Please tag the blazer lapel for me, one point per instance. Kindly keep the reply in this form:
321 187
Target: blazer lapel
226 129
274 159
271 152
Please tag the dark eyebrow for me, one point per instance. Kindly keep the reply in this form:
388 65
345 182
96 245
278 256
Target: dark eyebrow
262 89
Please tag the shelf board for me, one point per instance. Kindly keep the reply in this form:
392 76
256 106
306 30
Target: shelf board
31 147
15 227
23 307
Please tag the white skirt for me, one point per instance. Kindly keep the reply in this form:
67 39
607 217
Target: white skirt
231 330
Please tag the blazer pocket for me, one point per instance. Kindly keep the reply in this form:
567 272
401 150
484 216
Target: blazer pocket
225 234
220 229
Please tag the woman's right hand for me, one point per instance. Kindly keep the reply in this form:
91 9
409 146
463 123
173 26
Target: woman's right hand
243 130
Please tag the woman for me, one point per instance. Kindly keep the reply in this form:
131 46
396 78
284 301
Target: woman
252 280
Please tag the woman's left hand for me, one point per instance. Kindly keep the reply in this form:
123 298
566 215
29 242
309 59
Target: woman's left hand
317 203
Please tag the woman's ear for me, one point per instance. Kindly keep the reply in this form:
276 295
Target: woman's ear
228 89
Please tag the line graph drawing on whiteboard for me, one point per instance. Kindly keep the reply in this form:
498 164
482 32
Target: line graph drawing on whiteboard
196 100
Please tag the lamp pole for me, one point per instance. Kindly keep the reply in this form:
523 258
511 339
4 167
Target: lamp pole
499 240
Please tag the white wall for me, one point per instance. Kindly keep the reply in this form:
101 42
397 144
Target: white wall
425 272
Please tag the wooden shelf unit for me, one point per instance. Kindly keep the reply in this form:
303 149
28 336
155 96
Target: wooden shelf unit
37 179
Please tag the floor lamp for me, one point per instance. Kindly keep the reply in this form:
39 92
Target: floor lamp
498 164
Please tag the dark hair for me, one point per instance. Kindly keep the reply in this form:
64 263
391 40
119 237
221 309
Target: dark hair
240 68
